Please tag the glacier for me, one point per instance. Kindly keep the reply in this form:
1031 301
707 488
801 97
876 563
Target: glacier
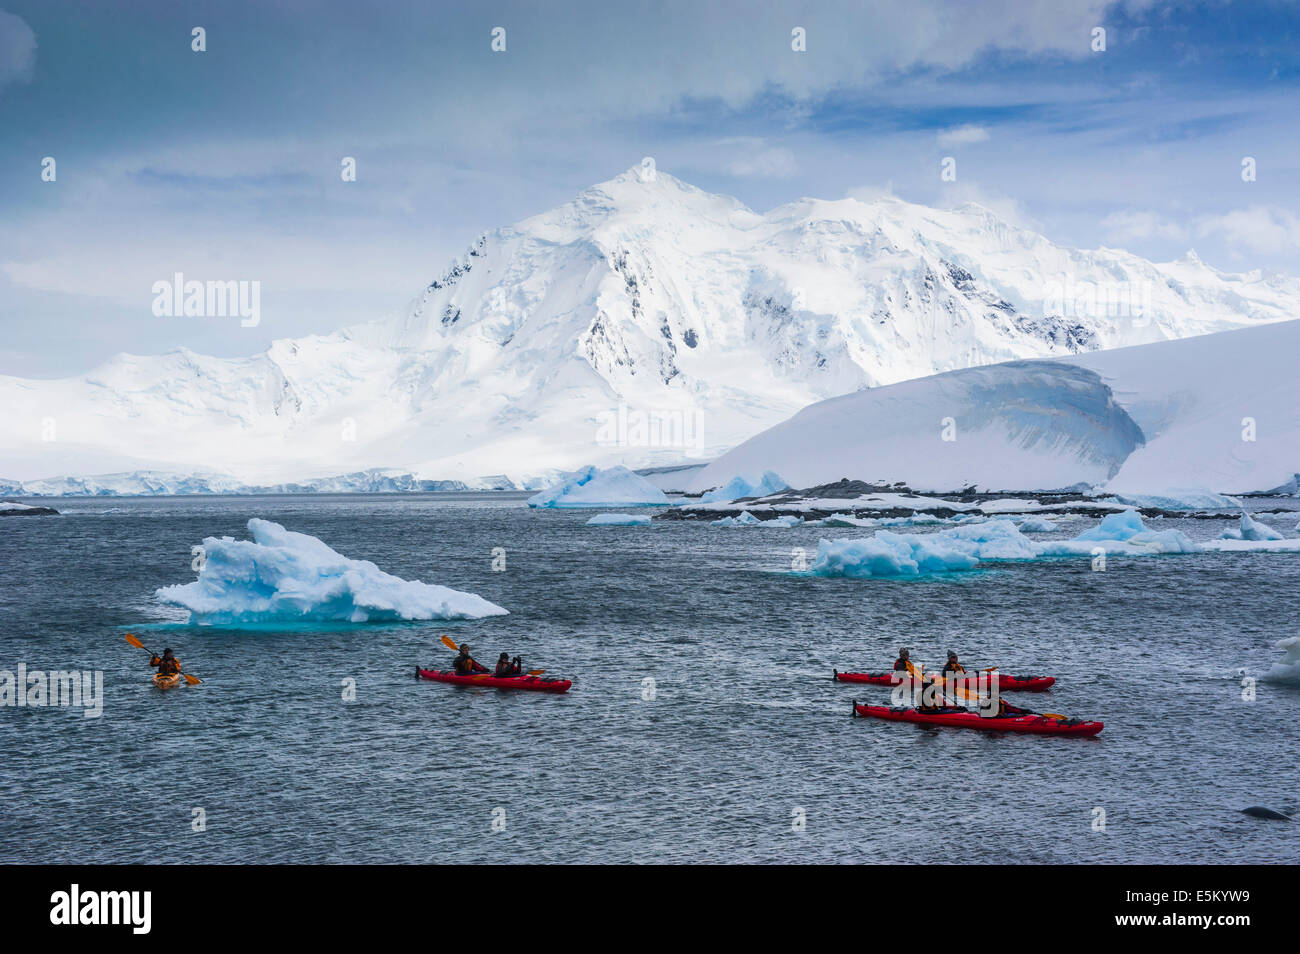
601 487
281 576
648 300
1214 412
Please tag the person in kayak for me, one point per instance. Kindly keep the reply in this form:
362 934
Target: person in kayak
904 661
465 664
507 666
167 664
952 665
1006 709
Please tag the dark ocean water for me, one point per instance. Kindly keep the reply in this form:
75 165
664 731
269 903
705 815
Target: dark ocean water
745 728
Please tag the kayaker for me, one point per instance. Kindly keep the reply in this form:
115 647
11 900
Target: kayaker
465 664
507 666
167 664
903 662
1006 709
952 665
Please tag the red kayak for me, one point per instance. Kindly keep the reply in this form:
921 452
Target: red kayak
1004 683
528 683
963 719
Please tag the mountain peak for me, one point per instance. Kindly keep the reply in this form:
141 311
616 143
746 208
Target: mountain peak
643 322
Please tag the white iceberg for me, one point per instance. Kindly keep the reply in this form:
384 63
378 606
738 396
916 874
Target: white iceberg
1286 670
1250 529
283 576
740 486
596 487
619 520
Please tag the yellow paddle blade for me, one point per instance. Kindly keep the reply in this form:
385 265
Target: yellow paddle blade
193 680
450 643
991 669
134 641
1053 715
536 672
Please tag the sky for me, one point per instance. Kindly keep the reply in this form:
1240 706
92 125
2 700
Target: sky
225 163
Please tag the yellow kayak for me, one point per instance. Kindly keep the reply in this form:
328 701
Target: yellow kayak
168 682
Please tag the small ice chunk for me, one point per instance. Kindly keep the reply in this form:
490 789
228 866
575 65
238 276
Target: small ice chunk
1250 529
741 486
1287 669
747 519
1116 526
1037 525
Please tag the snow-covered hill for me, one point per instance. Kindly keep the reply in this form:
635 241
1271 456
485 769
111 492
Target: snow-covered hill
1217 412
645 323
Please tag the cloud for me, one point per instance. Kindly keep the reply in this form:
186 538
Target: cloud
1132 225
1003 206
1257 229
17 49
768 164
965 135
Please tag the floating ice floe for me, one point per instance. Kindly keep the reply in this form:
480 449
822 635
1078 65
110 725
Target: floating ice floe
964 547
283 576
889 554
619 520
1286 670
1037 525
1250 529
596 487
747 519
740 486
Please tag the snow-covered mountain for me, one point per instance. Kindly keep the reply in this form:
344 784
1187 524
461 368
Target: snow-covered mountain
1211 413
645 322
